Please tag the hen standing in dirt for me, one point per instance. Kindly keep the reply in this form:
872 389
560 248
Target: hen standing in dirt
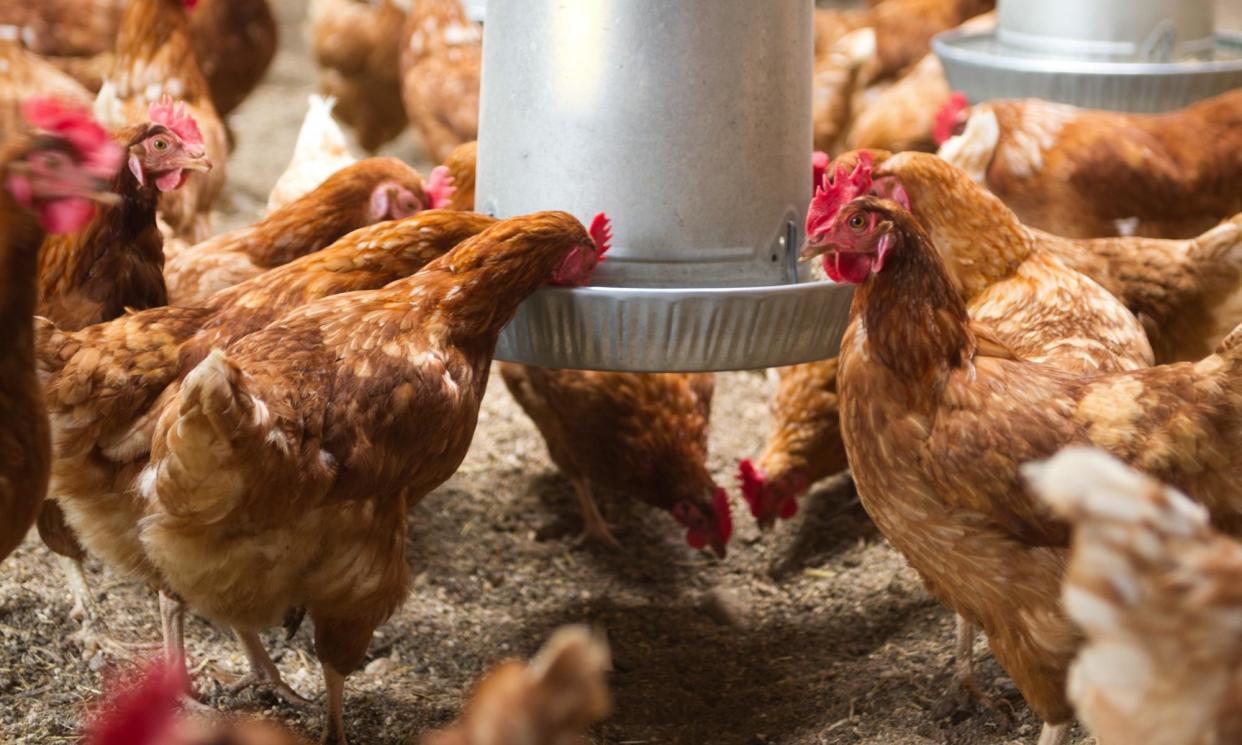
282 475
941 480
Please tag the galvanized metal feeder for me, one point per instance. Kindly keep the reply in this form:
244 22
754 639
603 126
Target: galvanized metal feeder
689 123
1126 55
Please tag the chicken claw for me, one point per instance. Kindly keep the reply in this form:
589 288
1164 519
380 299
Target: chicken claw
94 633
263 673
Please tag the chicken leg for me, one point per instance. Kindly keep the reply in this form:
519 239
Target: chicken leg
964 686
594 527
263 671
93 633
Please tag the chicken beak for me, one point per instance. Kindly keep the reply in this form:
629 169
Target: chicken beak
200 163
811 249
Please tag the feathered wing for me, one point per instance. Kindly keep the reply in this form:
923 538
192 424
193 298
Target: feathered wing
1174 629
100 380
226 432
1188 293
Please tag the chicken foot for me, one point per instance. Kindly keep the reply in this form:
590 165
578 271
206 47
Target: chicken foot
594 527
94 633
172 625
264 673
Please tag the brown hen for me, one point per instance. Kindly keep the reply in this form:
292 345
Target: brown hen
369 191
358 47
942 479
441 59
640 434
282 473
105 384
1082 173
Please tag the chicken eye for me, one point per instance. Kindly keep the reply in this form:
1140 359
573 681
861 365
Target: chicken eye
160 144
856 222
52 161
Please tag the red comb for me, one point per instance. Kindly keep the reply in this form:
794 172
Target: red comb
819 168
947 117
76 125
724 515
837 192
189 4
752 482
175 117
601 233
439 187
138 712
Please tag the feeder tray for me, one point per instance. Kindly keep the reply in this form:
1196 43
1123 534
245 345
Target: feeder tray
1136 55
689 124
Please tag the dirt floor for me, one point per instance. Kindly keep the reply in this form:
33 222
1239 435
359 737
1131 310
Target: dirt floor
817 633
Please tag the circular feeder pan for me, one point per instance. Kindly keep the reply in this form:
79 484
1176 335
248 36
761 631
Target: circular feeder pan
982 68
678 330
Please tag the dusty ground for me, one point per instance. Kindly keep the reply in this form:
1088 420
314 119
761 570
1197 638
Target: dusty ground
818 633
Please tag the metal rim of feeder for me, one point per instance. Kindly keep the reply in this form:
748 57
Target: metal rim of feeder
689 123
1139 56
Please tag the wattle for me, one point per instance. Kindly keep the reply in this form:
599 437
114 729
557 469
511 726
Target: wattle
171 180
853 268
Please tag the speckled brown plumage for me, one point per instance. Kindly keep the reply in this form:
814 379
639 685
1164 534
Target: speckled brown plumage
804 445
1187 293
441 60
338 205
941 479
461 164
106 383
320 431
1082 173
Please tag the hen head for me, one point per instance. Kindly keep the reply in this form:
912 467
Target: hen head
392 201
169 149
951 118
768 500
707 524
67 167
840 186
576 269
857 242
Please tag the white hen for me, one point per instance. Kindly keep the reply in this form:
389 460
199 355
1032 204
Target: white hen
321 151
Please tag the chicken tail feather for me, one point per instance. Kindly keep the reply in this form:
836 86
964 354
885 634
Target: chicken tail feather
217 427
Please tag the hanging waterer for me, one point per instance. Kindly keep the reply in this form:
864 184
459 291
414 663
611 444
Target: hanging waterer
689 123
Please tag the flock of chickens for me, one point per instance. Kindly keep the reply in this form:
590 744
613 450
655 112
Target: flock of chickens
1041 340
